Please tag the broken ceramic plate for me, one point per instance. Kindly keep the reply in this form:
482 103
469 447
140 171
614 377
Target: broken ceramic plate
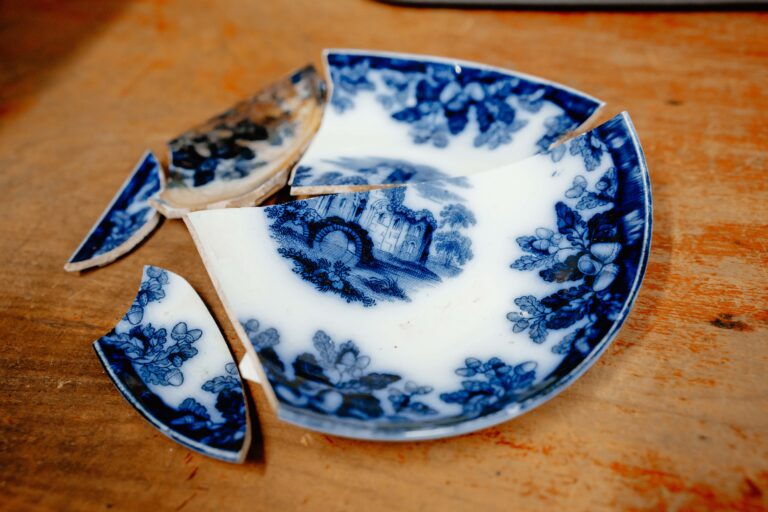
244 155
169 360
128 219
398 118
437 308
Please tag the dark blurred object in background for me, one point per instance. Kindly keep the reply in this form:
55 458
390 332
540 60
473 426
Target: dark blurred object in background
625 4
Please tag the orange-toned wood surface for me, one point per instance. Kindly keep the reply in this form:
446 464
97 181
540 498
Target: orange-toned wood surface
675 414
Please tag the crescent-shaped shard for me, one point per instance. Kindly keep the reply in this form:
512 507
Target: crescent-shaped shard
169 360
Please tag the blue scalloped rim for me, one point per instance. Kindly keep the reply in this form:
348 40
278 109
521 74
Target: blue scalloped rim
579 107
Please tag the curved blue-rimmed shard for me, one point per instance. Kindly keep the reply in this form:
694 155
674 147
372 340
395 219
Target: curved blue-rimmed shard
169 360
399 118
243 155
560 244
127 220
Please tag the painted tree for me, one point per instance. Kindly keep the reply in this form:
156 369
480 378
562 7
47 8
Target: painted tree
454 247
395 196
451 243
457 215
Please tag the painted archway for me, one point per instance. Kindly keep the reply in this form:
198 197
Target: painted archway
360 241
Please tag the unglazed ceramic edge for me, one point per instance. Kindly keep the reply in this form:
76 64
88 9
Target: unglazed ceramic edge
241 335
252 198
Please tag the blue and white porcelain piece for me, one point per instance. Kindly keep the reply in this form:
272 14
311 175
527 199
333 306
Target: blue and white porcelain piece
169 360
358 330
128 219
243 155
398 118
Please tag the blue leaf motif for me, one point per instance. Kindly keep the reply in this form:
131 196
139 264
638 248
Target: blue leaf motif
156 359
195 407
135 314
334 380
378 380
529 262
267 338
590 148
531 305
557 153
151 290
326 349
584 255
562 271
565 297
569 222
578 187
591 200
439 101
490 386
221 383
538 331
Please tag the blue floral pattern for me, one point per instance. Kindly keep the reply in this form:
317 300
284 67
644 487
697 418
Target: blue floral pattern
335 379
581 251
555 127
591 149
371 246
439 100
151 290
228 147
140 356
124 225
129 212
476 117
156 358
489 386
593 256
229 402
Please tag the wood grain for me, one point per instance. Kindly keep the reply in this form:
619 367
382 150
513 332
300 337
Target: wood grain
675 414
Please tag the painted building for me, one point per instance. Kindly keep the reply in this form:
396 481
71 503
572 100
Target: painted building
395 229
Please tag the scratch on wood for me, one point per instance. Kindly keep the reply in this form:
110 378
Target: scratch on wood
753 490
185 502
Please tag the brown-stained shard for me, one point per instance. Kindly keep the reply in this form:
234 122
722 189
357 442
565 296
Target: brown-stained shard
242 156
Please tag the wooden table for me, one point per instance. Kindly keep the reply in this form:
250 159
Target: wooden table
674 415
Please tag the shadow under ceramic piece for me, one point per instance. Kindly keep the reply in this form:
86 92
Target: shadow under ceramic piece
244 155
553 251
398 118
127 221
169 360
